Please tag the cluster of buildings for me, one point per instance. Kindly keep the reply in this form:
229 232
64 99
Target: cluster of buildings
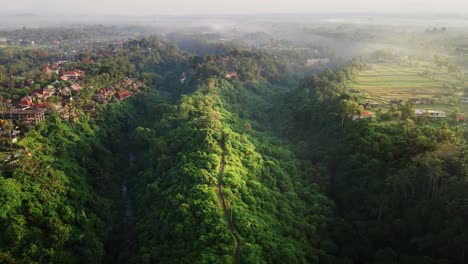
38 101
54 67
122 90
423 113
31 109
426 113
58 66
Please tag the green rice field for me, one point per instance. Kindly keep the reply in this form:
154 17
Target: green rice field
402 81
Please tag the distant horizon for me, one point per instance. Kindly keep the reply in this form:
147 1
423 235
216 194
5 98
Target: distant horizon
239 7
324 13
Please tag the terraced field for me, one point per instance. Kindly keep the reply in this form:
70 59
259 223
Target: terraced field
402 81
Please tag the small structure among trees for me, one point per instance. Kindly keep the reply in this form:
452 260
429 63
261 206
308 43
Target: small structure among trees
231 75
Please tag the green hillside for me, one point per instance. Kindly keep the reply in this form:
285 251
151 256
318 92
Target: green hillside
169 157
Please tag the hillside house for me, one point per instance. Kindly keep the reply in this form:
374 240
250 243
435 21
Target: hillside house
26 102
103 94
49 70
63 112
42 94
49 90
37 94
364 114
460 118
25 116
124 95
72 75
66 91
42 106
430 113
76 88
55 67
27 98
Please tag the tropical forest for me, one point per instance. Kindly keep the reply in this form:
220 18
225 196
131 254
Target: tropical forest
307 140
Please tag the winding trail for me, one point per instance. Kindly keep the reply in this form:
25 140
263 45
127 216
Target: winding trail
226 210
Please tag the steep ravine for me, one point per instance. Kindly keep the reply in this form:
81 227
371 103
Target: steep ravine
124 234
128 214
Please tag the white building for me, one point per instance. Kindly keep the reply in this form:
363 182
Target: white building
430 113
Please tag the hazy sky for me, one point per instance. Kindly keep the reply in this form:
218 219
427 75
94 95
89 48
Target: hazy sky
149 7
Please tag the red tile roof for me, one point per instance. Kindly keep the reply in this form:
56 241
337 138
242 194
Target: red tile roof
366 113
26 102
42 105
76 87
124 95
70 73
